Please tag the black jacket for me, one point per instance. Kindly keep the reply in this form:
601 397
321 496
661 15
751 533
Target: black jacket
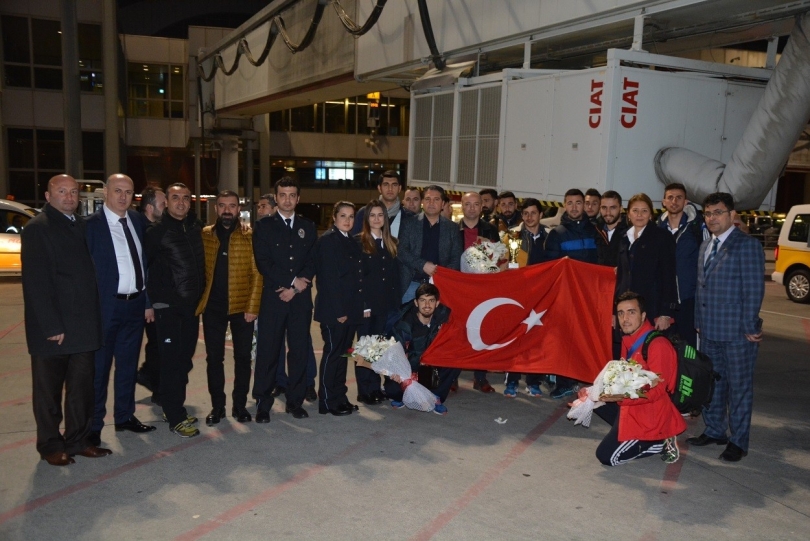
608 251
59 286
339 277
175 262
415 346
485 229
648 268
575 239
282 254
381 281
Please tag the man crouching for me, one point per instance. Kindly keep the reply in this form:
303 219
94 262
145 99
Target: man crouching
646 425
416 329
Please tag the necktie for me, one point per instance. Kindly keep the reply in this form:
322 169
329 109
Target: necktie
380 244
288 221
133 253
712 254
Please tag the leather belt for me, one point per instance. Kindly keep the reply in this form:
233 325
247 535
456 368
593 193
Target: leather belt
127 296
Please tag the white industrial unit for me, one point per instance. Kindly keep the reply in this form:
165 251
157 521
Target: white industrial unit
540 133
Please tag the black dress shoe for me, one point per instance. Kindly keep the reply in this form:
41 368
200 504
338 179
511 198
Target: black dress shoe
704 439
311 395
378 396
216 415
133 425
343 409
352 407
367 399
262 416
279 390
732 453
94 438
297 411
241 414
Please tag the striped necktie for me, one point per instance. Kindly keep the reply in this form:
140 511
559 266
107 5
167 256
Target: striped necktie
712 254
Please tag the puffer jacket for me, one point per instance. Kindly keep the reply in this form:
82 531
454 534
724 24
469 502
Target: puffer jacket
573 238
403 332
175 262
244 280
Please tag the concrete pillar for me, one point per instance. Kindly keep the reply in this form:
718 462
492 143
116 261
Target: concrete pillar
249 195
229 164
109 48
197 178
261 124
71 91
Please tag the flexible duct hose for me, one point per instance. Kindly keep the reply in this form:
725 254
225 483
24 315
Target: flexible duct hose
427 28
766 144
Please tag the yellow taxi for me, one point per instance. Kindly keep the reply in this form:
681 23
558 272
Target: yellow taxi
792 255
13 219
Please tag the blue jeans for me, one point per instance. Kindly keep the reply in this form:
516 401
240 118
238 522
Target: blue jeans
410 293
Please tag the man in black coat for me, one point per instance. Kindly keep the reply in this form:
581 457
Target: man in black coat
389 187
62 324
282 246
426 241
611 226
175 283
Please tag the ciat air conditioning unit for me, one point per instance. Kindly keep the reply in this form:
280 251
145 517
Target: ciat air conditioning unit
539 133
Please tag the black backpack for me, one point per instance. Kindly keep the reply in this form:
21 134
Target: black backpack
696 375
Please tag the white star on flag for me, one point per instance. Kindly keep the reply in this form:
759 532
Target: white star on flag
534 319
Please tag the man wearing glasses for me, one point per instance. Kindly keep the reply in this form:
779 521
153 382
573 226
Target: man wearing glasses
729 295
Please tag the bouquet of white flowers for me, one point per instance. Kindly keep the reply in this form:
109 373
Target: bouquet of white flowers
617 380
483 257
387 357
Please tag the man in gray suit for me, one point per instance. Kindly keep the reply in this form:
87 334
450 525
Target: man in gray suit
426 241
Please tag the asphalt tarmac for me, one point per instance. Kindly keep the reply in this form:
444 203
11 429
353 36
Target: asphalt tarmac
398 474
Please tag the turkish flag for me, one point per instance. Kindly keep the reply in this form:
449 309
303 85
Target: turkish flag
551 318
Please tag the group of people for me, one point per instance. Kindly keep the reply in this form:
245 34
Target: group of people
159 270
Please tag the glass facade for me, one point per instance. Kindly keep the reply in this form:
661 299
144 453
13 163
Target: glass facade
156 90
332 173
350 116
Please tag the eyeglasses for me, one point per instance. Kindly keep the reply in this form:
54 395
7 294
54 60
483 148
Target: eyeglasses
715 213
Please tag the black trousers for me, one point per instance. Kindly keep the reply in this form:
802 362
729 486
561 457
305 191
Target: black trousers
50 376
447 376
684 324
368 380
215 324
151 362
177 330
611 451
337 339
293 319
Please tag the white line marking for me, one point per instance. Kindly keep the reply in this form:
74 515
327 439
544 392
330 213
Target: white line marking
781 314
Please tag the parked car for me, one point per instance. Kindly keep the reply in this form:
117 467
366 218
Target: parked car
758 224
13 219
792 254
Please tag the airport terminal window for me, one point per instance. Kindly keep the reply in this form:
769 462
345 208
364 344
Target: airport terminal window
349 116
306 118
34 156
46 45
90 74
16 51
156 90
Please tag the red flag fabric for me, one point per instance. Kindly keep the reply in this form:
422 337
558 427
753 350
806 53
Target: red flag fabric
551 318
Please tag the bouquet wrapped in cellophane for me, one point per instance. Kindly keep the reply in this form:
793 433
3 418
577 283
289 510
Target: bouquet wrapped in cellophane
387 357
617 381
483 257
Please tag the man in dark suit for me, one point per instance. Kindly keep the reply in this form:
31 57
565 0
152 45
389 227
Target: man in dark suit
62 324
389 187
729 295
426 241
153 203
282 246
115 239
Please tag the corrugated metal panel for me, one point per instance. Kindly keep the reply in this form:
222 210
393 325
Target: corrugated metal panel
488 134
422 138
442 138
467 135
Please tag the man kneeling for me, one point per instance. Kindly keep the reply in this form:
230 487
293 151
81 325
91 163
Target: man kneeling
417 327
642 426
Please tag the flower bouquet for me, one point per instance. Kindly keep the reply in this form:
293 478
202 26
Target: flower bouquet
617 381
483 257
387 357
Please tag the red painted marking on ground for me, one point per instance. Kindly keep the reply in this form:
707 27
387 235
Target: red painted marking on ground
488 478
8 330
14 372
673 472
17 444
15 401
235 512
42 501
